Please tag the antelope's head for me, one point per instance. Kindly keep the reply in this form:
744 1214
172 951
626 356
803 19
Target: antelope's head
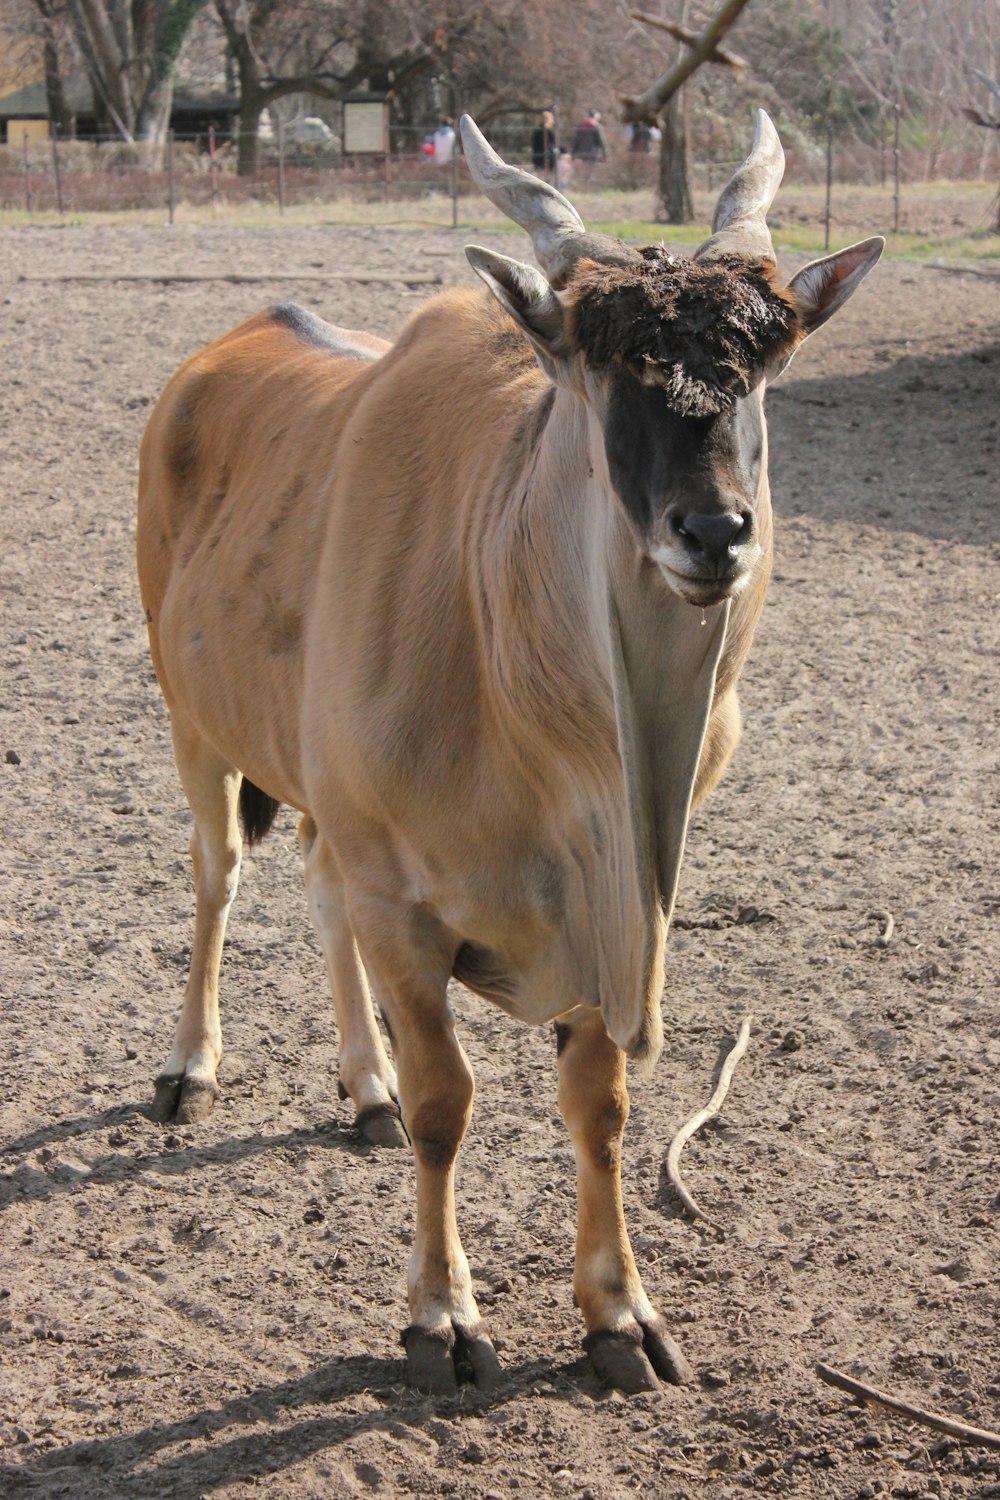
670 355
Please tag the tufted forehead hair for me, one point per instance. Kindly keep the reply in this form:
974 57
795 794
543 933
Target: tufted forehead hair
704 331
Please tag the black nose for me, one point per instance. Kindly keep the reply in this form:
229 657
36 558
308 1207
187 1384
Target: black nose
714 539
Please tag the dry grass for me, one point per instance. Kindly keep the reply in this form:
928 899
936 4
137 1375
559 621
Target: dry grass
952 220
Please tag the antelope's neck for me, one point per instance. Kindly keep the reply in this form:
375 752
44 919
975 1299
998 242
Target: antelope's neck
543 595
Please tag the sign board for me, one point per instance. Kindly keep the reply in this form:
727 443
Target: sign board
37 132
364 127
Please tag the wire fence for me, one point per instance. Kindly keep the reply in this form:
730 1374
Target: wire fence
205 171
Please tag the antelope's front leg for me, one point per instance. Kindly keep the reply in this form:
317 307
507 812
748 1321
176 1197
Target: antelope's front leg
627 1339
446 1335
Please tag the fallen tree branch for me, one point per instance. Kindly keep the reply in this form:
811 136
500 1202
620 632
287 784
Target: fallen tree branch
698 1119
244 278
863 1392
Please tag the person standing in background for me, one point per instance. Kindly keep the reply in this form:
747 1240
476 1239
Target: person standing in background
588 143
443 141
543 143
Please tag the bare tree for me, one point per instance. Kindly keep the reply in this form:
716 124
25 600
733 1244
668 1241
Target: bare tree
662 101
988 122
130 50
32 29
320 48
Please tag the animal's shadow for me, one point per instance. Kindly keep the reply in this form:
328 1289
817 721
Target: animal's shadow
127 1465
27 1182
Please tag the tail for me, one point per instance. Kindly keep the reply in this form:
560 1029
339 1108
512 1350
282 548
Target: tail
646 1049
257 812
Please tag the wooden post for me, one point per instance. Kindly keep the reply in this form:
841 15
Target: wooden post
170 176
27 178
555 145
386 167
55 167
829 186
281 166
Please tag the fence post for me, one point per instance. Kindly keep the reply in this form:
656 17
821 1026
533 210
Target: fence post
211 166
27 178
895 168
454 169
281 166
55 167
170 175
829 186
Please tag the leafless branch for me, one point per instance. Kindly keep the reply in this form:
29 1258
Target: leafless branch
978 119
990 83
649 104
863 1392
720 55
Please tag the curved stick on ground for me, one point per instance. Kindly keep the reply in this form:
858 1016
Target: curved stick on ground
698 1119
863 1392
885 936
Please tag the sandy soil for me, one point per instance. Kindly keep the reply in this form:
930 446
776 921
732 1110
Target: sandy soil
215 1310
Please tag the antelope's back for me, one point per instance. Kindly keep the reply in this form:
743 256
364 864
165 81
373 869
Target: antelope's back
233 472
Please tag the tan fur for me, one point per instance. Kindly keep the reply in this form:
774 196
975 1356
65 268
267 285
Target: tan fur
397 594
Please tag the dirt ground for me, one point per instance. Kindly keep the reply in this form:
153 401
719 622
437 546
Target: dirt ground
214 1310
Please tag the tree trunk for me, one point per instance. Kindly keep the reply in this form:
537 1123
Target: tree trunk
103 57
154 113
172 29
60 116
251 109
674 194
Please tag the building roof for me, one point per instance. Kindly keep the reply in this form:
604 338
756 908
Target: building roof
31 103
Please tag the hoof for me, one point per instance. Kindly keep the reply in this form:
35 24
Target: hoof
180 1099
620 1361
381 1125
197 1099
477 1362
166 1092
429 1364
436 1362
632 1359
665 1354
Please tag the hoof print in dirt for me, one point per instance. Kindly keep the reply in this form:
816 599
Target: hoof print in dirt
180 1100
631 1360
437 1362
381 1125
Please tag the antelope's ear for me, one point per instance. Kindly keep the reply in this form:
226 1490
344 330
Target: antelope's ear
824 285
526 295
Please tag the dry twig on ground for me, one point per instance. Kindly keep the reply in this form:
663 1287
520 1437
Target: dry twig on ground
698 1119
863 1392
885 936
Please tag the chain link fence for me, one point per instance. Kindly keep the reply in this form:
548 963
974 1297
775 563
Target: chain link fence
199 172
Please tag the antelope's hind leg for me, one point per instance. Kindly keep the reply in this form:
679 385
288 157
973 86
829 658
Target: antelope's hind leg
627 1339
187 1087
366 1075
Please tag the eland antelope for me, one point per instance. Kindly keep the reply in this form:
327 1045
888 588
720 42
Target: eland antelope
475 604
